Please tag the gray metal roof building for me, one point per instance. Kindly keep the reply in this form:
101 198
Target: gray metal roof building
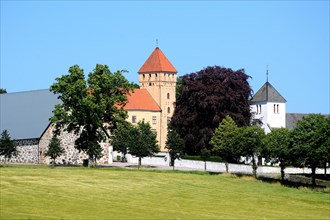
26 114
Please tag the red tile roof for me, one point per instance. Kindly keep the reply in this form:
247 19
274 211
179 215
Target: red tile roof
141 99
157 62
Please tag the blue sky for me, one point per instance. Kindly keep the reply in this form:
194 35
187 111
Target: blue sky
40 40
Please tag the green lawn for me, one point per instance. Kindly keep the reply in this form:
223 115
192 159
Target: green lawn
39 192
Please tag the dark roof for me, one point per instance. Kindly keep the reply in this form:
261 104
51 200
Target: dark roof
293 118
267 93
26 114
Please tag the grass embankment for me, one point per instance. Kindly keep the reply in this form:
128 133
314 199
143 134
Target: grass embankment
39 192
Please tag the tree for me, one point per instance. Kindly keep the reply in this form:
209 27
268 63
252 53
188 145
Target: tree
2 91
310 139
8 147
142 141
90 108
205 98
174 144
121 139
54 149
223 140
249 141
277 148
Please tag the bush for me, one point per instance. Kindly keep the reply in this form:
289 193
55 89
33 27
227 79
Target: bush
85 162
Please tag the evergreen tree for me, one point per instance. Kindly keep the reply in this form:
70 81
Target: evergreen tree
8 147
223 140
54 149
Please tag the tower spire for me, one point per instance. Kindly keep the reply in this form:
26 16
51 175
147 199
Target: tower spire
267 84
156 42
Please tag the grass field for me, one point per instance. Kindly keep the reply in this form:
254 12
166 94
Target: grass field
39 192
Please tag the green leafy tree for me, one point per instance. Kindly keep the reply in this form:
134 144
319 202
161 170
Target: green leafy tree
223 140
122 140
54 149
2 91
175 145
8 147
277 148
143 141
310 139
204 99
249 141
90 108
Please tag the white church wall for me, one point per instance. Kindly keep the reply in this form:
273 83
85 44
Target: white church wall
276 114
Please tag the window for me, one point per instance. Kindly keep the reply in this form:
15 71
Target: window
144 76
168 110
274 108
133 119
154 120
259 109
154 131
168 120
149 75
168 95
277 110
156 75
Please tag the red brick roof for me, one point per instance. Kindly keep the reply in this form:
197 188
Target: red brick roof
141 99
157 62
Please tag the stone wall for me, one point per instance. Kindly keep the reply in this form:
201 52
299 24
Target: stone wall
27 152
71 155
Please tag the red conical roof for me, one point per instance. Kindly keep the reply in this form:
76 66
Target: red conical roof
157 62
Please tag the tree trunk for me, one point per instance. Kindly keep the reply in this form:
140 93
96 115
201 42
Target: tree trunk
53 165
254 167
282 172
313 175
205 165
139 164
226 164
325 169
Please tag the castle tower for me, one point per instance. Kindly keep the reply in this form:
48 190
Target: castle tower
268 105
158 76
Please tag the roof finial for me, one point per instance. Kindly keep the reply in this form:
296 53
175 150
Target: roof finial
156 42
267 72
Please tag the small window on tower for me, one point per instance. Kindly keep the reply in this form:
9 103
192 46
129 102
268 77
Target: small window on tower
277 110
143 76
259 109
168 120
274 108
168 95
149 75
133 119
168 110
156 75
154 120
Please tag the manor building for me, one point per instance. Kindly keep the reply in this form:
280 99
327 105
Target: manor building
26 114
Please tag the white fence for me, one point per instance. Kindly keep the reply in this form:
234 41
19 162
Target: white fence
216 167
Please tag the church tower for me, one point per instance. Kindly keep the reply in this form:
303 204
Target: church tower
268 105
158 76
